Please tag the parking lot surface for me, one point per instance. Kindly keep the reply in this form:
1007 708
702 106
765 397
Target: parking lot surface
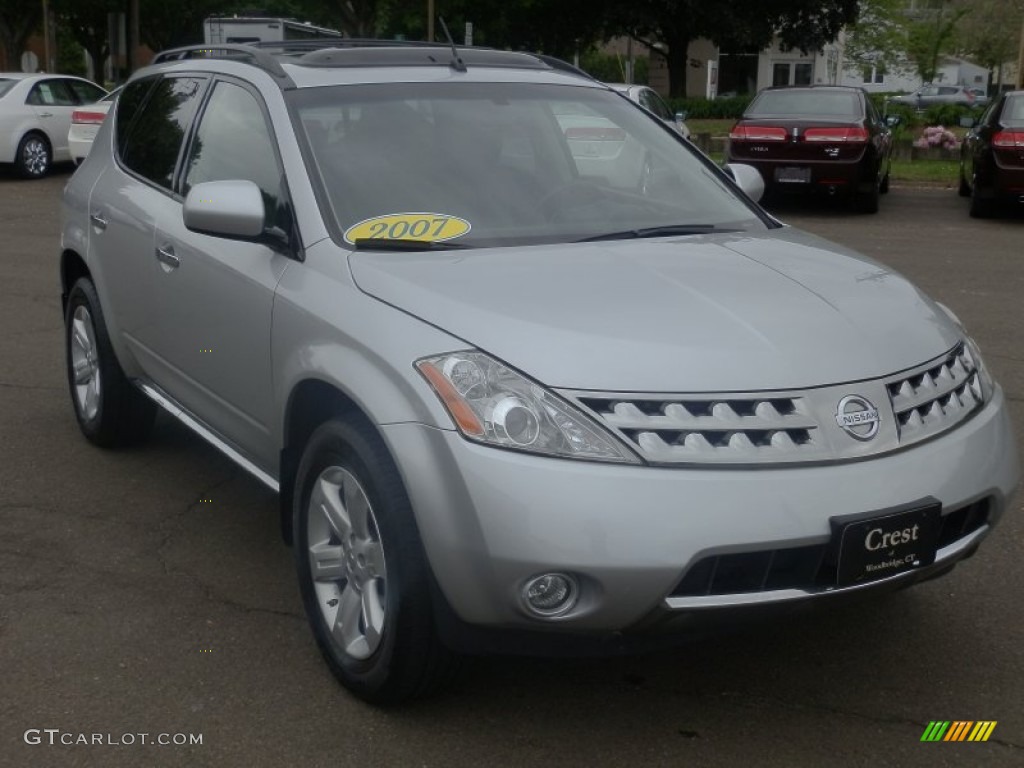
148 592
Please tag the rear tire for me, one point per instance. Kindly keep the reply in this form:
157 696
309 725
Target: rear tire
34 156
981 208
111 412
867 202
964 190
362 571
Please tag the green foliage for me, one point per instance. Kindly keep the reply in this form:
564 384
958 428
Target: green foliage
711 109
70 55
949 114
610 68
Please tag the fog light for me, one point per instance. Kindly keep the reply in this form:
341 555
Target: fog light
551 594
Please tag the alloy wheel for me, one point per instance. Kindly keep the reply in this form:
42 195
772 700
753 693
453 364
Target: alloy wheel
35 156
346 562
85 363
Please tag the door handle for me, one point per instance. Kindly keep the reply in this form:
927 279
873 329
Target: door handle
46 114
97 220
165 255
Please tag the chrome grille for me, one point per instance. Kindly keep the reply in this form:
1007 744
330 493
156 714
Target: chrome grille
935 398
791 426
730 428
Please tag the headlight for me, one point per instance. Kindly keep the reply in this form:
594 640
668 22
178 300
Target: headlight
985 381
493 404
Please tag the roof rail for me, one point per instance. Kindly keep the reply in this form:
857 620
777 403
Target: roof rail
563 66
259 58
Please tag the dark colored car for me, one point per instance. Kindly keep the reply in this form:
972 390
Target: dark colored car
992 156
827 138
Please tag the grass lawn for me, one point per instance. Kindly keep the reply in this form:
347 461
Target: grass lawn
944 172
714 127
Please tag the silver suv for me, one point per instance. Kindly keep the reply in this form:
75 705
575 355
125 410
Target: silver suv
527 369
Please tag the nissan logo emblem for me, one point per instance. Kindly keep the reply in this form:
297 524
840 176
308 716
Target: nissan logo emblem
857 417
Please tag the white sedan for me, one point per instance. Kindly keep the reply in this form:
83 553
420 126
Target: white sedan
649 99
85 124
35 116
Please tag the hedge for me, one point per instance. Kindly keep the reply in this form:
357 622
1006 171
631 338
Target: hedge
729 108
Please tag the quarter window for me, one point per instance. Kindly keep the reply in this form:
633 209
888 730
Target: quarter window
233 142
155 136
86 93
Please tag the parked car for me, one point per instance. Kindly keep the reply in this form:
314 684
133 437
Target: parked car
649 99
820 138
35 116
511 401
981 99
992 156
930 94
85 123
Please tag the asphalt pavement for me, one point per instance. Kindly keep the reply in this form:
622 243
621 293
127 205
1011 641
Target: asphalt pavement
148 592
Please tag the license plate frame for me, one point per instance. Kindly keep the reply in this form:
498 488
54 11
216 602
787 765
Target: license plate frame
887 543
793 175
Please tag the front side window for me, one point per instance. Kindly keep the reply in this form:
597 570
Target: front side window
514 163
155 135
234 142
6 85
51 93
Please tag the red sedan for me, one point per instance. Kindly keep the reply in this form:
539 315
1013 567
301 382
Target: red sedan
826 138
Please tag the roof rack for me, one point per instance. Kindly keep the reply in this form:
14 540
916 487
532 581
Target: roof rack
418 54
258 57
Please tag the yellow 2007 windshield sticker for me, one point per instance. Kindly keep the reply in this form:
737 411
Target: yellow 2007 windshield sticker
426 227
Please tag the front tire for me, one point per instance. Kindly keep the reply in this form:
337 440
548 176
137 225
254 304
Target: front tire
362 570
111 412
34 156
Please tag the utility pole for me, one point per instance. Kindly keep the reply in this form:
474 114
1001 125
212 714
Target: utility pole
46 37
1020 58
133 36
430 21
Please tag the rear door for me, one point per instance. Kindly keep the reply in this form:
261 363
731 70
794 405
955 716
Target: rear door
216 293
149 126
53 102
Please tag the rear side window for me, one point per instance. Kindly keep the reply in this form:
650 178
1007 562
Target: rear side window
51 93
127 108
155 135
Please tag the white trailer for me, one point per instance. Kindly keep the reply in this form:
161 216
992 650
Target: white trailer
252 29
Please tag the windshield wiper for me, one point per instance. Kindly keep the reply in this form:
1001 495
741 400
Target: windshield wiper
400 244
666 230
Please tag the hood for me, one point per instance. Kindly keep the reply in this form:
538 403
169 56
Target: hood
740 312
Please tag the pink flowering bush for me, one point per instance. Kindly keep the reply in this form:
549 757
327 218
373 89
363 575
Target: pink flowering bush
937 136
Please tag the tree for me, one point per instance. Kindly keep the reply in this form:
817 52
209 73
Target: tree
87 21
18 20
990 30
668 27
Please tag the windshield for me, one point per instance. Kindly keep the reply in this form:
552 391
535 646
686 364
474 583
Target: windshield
5 85
489 164
805 102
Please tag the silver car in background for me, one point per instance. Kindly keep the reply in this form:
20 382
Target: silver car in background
528 372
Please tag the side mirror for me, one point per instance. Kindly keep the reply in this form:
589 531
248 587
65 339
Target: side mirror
968 122
225 209
680 116
893 120
747 178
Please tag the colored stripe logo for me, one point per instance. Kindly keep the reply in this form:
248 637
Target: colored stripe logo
959 730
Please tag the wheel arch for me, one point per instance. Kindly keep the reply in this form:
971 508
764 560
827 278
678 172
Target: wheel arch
311 402
72 267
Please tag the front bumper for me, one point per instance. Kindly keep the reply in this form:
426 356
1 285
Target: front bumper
491 519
